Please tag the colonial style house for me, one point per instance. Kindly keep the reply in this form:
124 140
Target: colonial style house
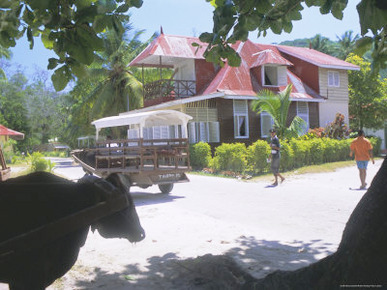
218 98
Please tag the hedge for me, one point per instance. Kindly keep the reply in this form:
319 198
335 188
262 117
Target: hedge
257 154
200 155
295 153
230 157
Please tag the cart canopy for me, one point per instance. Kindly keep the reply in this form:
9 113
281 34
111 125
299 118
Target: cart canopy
144 119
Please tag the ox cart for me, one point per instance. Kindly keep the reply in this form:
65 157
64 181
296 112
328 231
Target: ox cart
148 148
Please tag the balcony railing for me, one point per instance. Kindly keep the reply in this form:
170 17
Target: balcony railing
169 89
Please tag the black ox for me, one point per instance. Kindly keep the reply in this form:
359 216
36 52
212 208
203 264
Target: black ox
45 220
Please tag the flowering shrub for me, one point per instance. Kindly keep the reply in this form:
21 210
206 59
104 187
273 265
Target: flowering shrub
316 133
337 129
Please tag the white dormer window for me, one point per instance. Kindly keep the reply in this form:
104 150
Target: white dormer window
274 76
333 79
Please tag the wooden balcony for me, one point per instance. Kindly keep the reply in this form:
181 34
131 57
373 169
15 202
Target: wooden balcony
167 90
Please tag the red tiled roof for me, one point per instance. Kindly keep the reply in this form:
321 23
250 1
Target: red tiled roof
239 80
4 131
232 79
316 57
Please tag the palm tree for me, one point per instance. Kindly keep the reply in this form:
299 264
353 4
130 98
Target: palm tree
116 89
346 44
321 43
277 106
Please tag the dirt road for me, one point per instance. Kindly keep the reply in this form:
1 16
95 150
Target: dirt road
262 228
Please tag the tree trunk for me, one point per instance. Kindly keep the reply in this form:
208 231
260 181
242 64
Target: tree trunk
361 259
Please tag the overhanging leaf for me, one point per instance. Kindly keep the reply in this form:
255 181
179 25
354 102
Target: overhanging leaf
52 63
363 45
60 78
371 17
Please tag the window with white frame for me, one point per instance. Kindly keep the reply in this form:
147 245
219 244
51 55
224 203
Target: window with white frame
333 79
241 119
274 75
267 123
204 132
303 113
133 131
162 132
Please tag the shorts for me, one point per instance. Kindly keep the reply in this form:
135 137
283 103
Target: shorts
275 164
362 164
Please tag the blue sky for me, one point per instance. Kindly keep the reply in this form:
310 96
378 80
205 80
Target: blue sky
191 18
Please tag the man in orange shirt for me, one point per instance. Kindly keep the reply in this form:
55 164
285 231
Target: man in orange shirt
362 148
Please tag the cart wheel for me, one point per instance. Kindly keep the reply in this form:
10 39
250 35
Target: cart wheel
166 187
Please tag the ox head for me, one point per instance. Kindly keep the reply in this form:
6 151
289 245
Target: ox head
123 223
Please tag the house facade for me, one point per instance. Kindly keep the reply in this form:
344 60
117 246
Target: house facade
218 98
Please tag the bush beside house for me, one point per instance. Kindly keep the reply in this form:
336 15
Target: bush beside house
295 153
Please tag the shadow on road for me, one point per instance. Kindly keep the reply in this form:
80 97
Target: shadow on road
252 258
145 198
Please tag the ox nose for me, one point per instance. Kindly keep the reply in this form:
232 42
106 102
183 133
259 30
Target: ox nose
138 237
142 235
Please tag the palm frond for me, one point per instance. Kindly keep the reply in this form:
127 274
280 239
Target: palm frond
296 128
276 105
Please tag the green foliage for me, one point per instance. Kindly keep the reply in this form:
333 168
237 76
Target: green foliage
34 109
322 44
332 150
110 87
373 17
277 106
232 157
301 151
61 154
317 150
233 20
376 144
200 155
295 153
287 157
8 149
257 154
346 44
37 162
70 28
18 159
13 103
367 96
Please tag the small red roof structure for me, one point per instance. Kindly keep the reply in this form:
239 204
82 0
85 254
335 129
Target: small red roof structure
165 48
4 131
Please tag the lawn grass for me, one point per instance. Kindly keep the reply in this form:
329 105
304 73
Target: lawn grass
320 168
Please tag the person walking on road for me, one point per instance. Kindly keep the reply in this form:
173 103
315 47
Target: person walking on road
362 148
275 157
